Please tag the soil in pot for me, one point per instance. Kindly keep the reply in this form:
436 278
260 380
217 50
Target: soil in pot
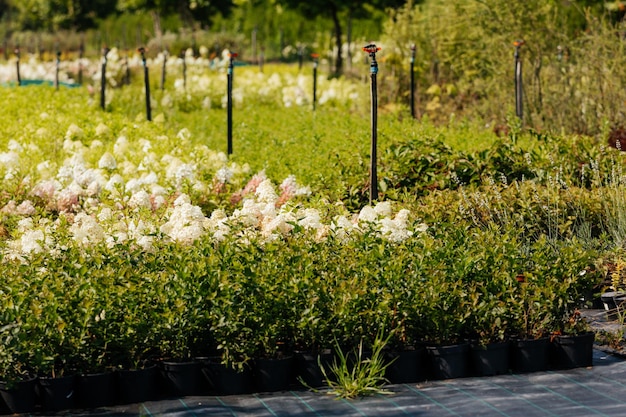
572 351
21 396
56 394
490 359
449 361
529 355
406 366
138 385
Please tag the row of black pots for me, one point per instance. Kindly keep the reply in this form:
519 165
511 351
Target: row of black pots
200 376
205 375
514 356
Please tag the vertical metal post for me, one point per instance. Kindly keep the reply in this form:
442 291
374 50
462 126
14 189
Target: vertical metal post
261 58
103 77
315 64
371 49
58 66
81 52
17 65
229 106
413 81
182 56
300 57
127 66
519 110
163 69
146 77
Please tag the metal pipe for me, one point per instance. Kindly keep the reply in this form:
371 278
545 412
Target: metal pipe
519 109
103 78
229 106
315 65
17 65
146 77
371 49
413 81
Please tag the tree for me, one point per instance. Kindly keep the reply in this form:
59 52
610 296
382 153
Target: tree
334 9
189 10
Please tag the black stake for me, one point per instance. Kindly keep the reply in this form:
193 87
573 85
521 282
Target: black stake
371 49
127 65
81 52
56 76
17 65
413 81
103 78
518 81
182 56
163 70
315 64
146 77
229 107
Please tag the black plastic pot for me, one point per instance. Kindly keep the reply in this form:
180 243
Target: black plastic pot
21 396
225 380
308 370
96 390
490 359
273 374
406 366
56 394
529 355
449 361
183 378
138 385
572 351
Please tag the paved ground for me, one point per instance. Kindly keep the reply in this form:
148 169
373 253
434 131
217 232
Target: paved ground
596 391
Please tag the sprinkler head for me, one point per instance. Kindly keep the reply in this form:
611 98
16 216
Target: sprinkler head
371 49
519 43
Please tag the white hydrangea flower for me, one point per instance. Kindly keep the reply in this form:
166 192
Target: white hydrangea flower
74 132
311 219
121 146
367 214
107 161
140 199
15 146
265 192
86 230
383 209
224 175
102 130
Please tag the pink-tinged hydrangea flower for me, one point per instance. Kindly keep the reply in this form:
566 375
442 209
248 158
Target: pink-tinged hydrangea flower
67 200
26 208
46 189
